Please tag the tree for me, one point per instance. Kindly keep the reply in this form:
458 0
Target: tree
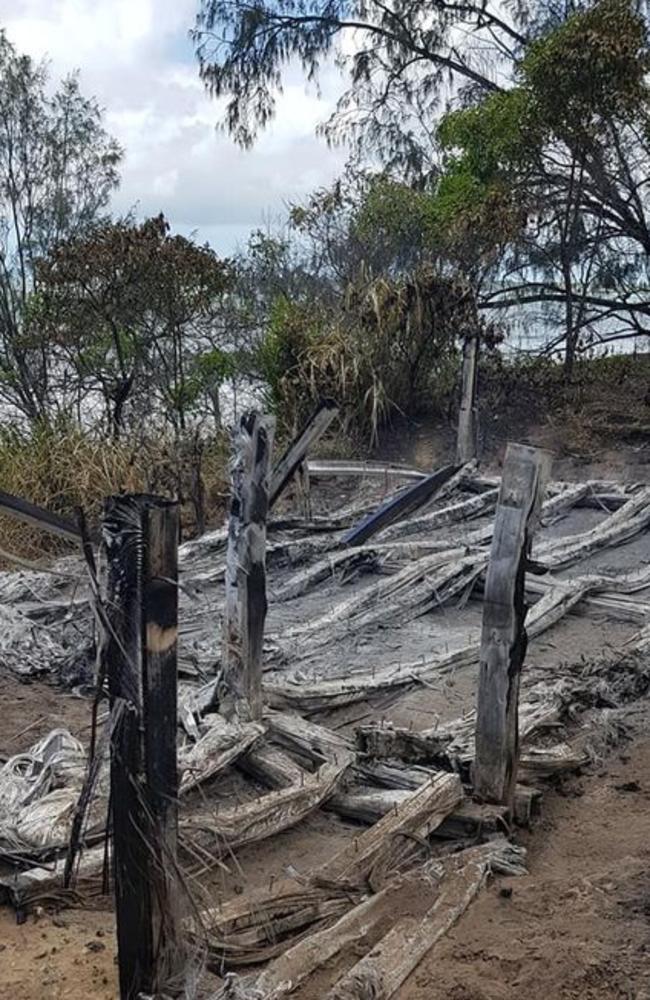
136 315
58 167
405 54
569 145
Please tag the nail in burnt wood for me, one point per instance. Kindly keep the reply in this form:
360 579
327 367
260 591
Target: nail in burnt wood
240 688
140 535
503 638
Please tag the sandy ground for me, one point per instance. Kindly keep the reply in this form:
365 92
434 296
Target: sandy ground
578 926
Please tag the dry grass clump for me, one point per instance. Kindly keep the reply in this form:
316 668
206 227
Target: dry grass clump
63 467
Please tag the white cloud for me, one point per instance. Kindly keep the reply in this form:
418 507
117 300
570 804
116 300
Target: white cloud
136 58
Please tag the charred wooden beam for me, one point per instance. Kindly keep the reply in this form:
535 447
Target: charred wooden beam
503 639
240 687
324 468
400 506
296 453
140 535
384 969
23 510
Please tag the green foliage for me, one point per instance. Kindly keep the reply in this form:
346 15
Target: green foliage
58 168
483 142
207 373
395 213
593 66
291 330
133 310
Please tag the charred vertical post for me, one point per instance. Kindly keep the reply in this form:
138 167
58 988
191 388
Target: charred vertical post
466 442
503 639
140 535
240 687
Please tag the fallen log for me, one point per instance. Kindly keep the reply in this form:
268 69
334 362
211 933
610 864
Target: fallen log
386 967
471 820
615 529
419 815
222 744
363 924
295 966
321 695
324 468
313 696
461 510
450 746
213 834
250 930
555 507
561 596
429 582
375 558
308 740
364 559
291 906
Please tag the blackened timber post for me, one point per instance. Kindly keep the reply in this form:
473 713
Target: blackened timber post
140 535
296 453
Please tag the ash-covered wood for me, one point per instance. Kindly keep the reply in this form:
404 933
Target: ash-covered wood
240 687
503 639
296 453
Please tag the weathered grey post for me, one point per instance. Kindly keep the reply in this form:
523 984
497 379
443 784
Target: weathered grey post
240 686
140 535
466 442
503 639
296 453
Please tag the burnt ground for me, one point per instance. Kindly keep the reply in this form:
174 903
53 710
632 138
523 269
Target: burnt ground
576 926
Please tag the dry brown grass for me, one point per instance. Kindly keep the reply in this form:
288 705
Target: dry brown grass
63 468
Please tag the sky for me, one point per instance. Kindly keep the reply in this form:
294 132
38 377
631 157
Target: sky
136 58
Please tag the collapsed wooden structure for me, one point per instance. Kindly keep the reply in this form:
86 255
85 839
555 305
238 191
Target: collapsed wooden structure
275 710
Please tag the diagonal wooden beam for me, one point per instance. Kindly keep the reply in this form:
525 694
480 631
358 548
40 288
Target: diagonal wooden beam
295 454
23 510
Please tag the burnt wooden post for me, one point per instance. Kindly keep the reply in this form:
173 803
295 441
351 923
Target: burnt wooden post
140 535
503 639
240 687
466 442
296 453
